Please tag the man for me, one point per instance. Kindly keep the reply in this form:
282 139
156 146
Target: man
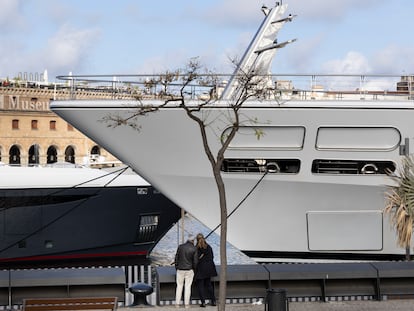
185 263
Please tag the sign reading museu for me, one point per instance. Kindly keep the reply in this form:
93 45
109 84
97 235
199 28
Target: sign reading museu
23 103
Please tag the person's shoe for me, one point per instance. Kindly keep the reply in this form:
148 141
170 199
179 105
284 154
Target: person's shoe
187 306
202 305
213 303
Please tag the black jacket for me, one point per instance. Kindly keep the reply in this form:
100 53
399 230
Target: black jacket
186 257
206 267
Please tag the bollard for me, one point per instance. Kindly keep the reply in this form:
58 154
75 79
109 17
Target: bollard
276 300
140 292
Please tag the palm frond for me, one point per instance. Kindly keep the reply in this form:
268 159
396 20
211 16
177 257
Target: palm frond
400 202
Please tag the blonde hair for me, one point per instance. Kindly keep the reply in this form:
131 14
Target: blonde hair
201 241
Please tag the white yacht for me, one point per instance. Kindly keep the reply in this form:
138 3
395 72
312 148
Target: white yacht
312 185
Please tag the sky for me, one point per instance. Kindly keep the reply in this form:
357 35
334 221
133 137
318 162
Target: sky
141 36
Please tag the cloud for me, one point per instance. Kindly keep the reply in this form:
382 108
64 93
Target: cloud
26 47
352 63
69 48
394 59
391 60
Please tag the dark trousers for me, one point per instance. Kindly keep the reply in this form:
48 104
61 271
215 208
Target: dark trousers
205 290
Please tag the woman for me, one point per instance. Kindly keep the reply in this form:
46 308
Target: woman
206 269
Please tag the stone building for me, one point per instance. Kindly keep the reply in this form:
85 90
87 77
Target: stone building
31 134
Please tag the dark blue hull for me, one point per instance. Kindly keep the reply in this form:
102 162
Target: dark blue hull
82 226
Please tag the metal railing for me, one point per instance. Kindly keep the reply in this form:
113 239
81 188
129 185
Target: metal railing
278 86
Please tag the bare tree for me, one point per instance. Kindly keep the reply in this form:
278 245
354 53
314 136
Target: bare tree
400 203
249 85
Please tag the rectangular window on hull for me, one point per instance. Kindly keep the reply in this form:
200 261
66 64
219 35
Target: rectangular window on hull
352 167
282 166
267 138
147 229
358 138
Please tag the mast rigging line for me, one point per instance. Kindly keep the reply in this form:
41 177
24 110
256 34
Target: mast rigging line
240 203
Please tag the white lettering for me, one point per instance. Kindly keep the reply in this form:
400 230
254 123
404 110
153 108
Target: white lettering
25 105
14 102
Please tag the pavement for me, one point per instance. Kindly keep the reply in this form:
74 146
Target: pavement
385 305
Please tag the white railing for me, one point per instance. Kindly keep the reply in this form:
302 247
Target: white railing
278 86
143 274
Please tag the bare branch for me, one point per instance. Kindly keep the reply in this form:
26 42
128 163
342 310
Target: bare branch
179 87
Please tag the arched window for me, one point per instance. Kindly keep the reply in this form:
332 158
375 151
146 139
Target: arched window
70 154
51 155
95 153
14 155
34 157
95 150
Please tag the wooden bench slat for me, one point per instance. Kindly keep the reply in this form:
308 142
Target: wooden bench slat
69 300
74 303
70 307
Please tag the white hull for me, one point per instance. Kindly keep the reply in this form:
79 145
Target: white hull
320 201
303 212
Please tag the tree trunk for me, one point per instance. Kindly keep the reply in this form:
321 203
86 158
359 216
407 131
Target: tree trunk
223 240
407 253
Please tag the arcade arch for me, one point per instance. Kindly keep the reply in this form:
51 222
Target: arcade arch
34 157
14 155
51 155
70 154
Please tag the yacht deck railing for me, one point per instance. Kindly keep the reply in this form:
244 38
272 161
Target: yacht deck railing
278 86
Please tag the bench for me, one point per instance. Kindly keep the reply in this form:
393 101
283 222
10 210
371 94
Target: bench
16 285
74 303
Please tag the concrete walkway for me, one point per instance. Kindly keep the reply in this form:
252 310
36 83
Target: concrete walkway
387 305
